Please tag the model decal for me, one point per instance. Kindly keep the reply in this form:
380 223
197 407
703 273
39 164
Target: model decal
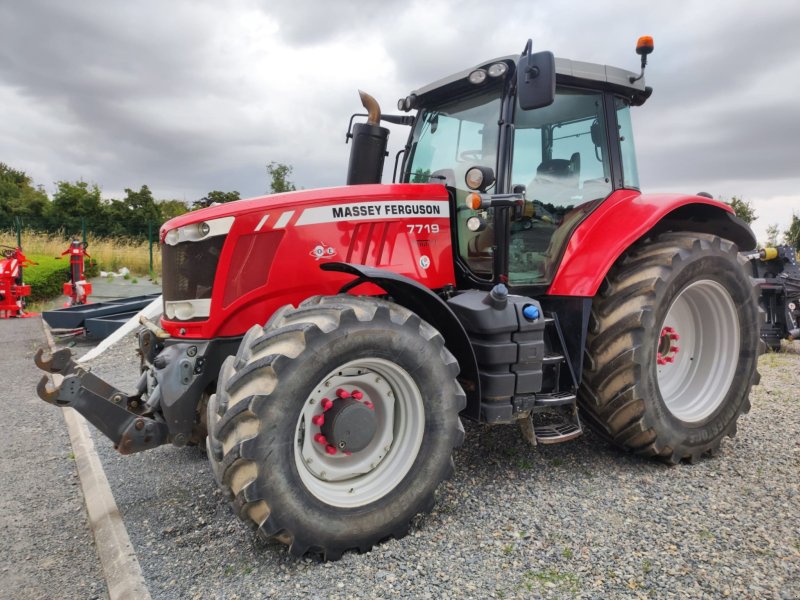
373 211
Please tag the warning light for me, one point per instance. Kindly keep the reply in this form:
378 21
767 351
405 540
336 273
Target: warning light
644 45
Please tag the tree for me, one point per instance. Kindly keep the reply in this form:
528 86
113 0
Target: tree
772 235
215 197
743 209
279 174
792 235
18 198
142 210
172 208
73 202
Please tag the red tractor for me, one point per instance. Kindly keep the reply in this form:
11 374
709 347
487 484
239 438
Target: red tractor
329 341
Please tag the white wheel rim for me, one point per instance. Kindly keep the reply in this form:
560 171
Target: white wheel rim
695 368
365 476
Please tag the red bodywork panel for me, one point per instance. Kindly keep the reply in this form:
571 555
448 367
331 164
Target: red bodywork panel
273 252
622 218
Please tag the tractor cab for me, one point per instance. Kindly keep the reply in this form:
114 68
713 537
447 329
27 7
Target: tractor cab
558 143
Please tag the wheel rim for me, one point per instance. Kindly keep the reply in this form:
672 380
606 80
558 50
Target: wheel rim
697 350
350 479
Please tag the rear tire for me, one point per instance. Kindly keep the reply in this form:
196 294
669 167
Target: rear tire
672 347
264 428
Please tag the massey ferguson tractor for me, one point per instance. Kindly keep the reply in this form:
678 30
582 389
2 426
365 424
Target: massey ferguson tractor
327 343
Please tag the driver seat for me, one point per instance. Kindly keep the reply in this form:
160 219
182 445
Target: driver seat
557 181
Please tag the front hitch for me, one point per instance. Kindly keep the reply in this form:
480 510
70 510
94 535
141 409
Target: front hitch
103 405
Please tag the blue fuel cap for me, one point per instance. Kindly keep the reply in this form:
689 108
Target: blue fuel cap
530 312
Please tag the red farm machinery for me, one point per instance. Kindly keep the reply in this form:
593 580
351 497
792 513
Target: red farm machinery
325 344
77 289
13 290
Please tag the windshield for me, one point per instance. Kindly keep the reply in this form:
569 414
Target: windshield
446 142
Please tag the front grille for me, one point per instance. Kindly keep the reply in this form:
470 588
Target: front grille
188 269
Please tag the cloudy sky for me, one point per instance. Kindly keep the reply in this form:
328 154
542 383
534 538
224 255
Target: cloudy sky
187 97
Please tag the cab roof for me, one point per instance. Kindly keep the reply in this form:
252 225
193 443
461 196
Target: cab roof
568 72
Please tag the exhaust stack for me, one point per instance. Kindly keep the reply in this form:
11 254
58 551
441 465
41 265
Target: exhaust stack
369 145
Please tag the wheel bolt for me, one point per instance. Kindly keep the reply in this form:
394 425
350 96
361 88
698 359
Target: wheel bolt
318 420
661 361
674 349
326 404
369 405
320 439
669 359
330 450
340 393
674 336
357 395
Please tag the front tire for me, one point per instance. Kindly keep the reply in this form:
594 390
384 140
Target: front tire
672 347
333 425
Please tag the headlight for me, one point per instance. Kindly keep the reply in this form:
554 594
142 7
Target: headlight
477 77
198 231
476 224
479 178
474 179
498 69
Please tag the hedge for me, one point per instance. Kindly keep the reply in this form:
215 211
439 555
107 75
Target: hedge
48 276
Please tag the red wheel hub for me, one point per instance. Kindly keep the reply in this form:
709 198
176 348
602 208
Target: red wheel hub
667 349
348 411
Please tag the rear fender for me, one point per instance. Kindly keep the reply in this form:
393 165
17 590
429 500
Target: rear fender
430 307
627 216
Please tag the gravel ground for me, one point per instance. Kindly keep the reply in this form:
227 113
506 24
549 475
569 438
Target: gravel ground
576 520
46 548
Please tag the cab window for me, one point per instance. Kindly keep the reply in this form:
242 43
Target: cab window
561 163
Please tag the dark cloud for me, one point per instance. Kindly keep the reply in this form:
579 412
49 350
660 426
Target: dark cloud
312 23
192 96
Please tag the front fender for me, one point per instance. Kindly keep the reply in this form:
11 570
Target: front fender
626 216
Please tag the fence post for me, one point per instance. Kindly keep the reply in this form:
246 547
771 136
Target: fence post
150 240
18 227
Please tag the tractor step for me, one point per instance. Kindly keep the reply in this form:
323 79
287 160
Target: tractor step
555 399
551 425
555 433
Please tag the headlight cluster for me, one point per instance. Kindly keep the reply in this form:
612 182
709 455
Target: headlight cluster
478 76
198 231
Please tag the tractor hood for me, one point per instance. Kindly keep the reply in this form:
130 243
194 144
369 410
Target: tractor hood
226 267
306 198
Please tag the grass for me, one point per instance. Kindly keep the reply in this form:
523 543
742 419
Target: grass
550 578
110 253
525 464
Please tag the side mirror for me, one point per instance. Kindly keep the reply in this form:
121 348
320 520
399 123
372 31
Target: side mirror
536 79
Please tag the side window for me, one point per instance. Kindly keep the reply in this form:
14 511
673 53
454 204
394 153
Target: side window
630 172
